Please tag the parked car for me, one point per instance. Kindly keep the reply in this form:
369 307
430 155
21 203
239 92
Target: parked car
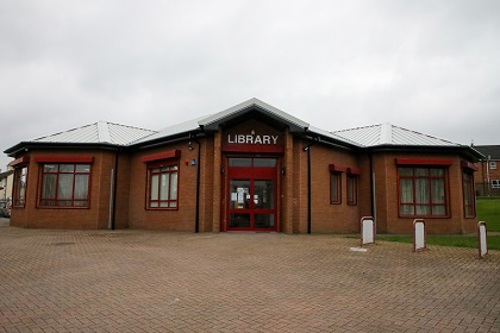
4 208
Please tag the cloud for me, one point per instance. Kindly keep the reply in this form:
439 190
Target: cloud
430 66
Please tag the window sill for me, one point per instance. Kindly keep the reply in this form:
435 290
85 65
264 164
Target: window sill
434 217
61 207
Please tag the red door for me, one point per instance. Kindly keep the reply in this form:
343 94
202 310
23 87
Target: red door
252 194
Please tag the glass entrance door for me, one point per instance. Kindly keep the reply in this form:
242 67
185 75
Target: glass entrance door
252 194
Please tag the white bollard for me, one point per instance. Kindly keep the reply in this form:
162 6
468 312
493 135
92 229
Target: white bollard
482 239
367 230
419 240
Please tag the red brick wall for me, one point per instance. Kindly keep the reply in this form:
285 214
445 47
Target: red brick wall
95 217
336 218
122 191
207 200
130 209
387 193
182 219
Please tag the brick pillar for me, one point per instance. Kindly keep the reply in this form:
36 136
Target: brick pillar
216 216
287 186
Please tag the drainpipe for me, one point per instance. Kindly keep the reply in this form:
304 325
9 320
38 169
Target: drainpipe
488 174
309 186
197 213
112 208
373 198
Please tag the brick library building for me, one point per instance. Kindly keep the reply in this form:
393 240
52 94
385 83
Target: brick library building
251 167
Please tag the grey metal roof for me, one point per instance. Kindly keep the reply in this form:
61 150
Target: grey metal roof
99 132
233 112
368 136
253 103
332 135
387 134
184 127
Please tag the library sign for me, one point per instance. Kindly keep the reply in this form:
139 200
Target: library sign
252 139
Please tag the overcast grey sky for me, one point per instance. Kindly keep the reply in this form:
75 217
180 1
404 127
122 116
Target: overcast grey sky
431 66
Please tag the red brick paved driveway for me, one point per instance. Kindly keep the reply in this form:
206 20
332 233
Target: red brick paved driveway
140 281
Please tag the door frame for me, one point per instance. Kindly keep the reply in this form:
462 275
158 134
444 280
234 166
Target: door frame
226 192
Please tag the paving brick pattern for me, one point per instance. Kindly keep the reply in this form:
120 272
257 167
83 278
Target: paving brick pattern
140 281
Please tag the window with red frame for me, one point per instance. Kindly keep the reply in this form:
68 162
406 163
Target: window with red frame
423 192
335 187
163 186
469 196
65 185
352 190
20 179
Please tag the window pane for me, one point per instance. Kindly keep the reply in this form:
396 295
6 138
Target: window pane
437 190
423 210
50 168
240 161
437 172
164 186
264 162
264 220
439 210
81 186
154 187
65 186
421 172
264 194
406 190
20 177
468 193
405 171
67 168
351 190
335 187
173 186
240 194
422 191
407 210
239 221
83 168
49 186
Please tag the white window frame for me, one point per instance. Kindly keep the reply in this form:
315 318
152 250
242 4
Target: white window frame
493 165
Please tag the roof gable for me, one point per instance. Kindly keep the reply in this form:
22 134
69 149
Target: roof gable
387 134
212 122
96 133
228 116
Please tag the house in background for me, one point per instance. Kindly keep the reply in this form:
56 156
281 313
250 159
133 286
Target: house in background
5 192
487 177
6 184
251 167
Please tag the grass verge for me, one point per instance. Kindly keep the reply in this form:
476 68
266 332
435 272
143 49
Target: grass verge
469 241
488 210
